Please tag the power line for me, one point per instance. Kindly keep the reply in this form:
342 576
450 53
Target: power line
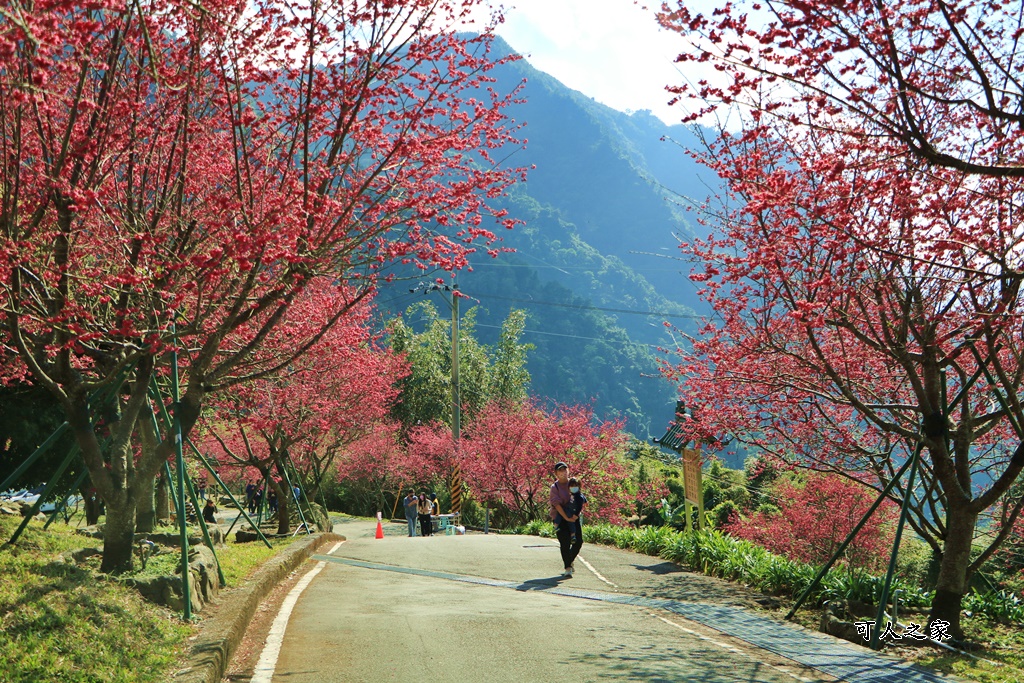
576 336
662 314
498 264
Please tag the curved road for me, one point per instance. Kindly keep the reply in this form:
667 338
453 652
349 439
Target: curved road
492 608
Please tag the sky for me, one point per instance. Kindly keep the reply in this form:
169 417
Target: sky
611 50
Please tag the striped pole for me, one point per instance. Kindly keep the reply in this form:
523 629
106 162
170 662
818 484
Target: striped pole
456 484
456 490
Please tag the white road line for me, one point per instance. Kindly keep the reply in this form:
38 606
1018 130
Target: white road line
596 573
264 671
728 647
336 546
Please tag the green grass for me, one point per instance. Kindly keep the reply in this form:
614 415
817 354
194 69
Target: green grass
66 622
242 559
60 622
1004 646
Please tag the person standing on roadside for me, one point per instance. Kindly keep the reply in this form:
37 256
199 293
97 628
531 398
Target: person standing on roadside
425 508
250 497
564 519
411 503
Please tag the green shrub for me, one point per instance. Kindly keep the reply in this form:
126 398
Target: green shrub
738 495
846 585
723 513
913 561
536 527
775 574
1002 606
650 540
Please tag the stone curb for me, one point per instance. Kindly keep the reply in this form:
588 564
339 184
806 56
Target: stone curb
219 637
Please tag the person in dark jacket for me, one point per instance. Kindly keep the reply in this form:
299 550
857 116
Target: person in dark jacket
411 504
424 507
209 510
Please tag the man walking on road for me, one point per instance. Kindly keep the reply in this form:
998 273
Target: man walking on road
411 502
565 521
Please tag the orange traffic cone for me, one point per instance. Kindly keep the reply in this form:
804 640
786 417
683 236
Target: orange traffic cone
380 530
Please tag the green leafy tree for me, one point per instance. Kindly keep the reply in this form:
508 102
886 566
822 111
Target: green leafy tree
509 377
425 395
484 374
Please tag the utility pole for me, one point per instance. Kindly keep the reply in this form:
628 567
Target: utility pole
456 483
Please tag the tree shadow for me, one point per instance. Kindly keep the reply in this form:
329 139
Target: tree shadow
689 663
33 610
661 568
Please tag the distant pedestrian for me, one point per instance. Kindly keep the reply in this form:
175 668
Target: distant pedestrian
209 510
250 497
424 507
561 511
411 503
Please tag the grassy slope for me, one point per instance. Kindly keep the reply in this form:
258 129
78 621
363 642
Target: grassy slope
64 622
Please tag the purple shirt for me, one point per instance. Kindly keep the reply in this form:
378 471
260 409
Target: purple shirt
560 496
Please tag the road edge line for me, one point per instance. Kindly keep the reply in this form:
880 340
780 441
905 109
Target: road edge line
264 671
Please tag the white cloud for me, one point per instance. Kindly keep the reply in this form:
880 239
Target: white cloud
611 50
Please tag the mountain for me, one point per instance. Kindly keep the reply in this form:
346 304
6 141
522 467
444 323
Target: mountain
595 262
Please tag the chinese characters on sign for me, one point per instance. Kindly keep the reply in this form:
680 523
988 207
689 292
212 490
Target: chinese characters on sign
937 630
691 475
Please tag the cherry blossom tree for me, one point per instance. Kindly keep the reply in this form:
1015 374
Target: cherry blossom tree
175 175
509 450
938 79
377 464
864 273
294 423
816 516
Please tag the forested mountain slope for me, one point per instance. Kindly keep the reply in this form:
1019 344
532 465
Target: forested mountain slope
594 263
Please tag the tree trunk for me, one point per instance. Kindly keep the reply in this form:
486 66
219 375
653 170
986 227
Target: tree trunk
163 501
953 580
119 535
143 485
284 525
92 505
146 513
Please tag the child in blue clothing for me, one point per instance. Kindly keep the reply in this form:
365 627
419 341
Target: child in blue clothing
576 508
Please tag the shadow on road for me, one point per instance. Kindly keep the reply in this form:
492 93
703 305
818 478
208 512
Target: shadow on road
541 584
660 568
654 664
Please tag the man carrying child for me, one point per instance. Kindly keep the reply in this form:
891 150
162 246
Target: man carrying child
566 505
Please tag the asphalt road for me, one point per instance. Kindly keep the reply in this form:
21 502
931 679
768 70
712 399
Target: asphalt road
490 608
